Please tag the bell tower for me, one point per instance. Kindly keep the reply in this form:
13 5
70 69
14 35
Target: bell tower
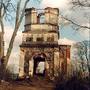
41 26
39 42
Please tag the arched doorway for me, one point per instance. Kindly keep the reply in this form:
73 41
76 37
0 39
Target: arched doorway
39 65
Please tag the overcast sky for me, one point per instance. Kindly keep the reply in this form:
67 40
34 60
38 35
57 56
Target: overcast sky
65 32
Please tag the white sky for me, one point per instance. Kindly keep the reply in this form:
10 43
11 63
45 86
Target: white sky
55 3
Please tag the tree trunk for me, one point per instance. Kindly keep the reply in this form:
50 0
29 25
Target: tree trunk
2 41
2 30
17 25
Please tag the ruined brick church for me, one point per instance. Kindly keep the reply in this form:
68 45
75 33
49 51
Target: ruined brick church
40 53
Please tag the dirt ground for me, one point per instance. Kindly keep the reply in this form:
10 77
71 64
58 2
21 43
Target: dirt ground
34 84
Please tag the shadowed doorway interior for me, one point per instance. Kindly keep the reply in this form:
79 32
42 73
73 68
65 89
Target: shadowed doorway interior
39 65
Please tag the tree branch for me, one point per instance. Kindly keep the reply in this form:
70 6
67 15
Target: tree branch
81 3
71 21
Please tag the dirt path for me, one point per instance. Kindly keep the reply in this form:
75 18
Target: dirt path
34 84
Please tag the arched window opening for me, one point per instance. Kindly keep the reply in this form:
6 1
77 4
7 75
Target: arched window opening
41 18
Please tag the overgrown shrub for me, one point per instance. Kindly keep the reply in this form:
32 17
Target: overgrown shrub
76 82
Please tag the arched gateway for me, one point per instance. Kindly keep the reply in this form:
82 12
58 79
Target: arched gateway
39 52
39 64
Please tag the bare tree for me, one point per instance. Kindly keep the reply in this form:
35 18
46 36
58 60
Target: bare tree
84 6
84 54
5 10
84 48
19 18
81 3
